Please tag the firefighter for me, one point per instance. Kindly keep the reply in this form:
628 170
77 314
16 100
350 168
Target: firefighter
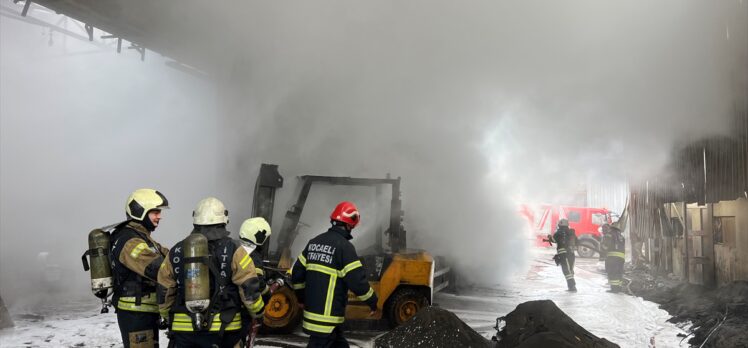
326 269
135 257
253 234
566 243
605 235
615 246
229 285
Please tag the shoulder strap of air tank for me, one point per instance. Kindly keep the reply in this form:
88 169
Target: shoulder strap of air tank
213 247
175 257
221 283
138 290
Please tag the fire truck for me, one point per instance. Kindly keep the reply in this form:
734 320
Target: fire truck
585 221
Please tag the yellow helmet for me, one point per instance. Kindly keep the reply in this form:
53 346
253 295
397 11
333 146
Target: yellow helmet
255 230
144 200
210 211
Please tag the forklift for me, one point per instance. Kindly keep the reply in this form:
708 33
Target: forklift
404 280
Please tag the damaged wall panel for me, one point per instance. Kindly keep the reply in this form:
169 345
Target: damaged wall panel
711 176
731 235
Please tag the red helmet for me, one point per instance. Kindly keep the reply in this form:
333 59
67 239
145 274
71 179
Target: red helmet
346 212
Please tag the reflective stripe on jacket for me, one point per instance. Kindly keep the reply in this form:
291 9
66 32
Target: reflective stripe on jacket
231 267
322 275
135 259
615 244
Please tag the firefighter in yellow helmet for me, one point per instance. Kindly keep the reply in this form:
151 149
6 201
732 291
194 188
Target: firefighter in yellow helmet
253 234
210 284
135 258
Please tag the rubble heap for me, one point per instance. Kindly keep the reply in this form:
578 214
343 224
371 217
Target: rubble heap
721 313
432 327
542 324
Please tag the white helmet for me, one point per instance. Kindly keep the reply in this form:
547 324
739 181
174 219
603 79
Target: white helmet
141 201
210 211
255 230
563 223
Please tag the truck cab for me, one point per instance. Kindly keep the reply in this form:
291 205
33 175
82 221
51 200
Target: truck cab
585 221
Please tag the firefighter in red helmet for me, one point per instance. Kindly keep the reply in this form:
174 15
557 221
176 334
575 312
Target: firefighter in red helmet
324 272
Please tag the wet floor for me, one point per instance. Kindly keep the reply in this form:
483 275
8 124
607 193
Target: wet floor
623 319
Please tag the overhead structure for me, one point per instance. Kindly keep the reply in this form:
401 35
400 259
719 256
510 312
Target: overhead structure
181 30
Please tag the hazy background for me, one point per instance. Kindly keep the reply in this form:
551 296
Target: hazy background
477 105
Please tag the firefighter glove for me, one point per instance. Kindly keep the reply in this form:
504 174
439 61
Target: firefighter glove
163 324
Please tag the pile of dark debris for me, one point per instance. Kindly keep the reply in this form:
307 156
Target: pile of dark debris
533 324
718 317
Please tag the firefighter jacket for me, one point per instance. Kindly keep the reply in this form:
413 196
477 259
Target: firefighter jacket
322 275
135 259
255 253
604 245
614 244
233 285
566 240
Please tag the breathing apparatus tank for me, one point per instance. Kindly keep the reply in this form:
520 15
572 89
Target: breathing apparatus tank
196 275
100 266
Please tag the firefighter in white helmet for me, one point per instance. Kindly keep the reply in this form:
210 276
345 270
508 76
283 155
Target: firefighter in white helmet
566 243
233 286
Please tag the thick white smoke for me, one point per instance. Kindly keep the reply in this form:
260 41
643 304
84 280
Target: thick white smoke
479 104
475 104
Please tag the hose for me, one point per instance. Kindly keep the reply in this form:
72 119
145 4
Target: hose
714 329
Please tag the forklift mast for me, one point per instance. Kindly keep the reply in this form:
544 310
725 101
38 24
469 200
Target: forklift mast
264 198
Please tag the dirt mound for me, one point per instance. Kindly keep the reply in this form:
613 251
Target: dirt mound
542 324
432 327
719 317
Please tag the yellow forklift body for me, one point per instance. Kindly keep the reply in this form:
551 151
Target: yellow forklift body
404 281
410 268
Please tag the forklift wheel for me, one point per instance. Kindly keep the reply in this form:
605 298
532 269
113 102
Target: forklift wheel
282 313
403 305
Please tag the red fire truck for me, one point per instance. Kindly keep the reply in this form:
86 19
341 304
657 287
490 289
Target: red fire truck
586 221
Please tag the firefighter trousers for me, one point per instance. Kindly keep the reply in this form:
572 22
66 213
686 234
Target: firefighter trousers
567 267
614 268
207 339
333 340
138 329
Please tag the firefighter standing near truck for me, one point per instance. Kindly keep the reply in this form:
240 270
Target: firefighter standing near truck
566 244
326 269
135 257
209 311
603 243
614 245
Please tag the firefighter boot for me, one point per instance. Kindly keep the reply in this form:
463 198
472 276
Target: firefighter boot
571 284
